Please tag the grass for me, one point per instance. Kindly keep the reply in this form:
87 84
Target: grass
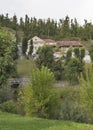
16 122
25 67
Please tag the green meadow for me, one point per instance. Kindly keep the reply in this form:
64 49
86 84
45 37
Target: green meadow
16 122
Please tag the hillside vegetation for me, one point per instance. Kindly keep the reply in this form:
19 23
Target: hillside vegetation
40 98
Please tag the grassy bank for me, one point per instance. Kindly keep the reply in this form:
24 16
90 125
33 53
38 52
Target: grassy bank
15 122
24 67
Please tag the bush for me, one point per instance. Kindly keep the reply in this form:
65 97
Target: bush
74 105
9 106
75 112
6 93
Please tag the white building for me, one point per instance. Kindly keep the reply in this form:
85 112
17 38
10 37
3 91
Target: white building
65 45
37 42
57 54
87 58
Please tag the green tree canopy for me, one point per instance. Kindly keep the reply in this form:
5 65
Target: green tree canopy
37 96
69 54
24 45
7 63
45 57
77 52
73 69
7 48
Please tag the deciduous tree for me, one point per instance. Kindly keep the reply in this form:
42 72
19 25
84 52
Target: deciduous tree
7 64
45 57
39 93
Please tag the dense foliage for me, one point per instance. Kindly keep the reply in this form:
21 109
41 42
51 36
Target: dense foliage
7 50
39 97
45 57
73 69
65 28
7 63
67 103
24 45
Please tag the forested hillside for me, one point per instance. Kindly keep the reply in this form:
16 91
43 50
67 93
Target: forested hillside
41 98
63 29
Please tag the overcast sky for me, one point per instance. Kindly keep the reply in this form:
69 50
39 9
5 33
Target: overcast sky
56 9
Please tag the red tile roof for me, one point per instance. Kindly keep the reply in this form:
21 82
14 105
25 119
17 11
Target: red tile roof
69 43
48 40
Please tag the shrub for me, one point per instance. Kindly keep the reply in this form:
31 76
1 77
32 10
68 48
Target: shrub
74 111
9 106
6 93
74 105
